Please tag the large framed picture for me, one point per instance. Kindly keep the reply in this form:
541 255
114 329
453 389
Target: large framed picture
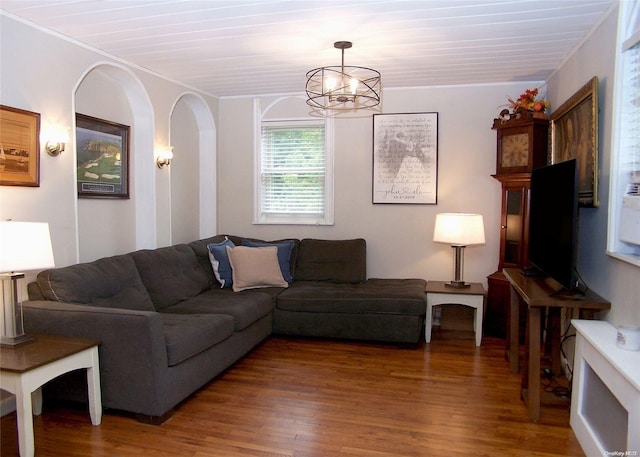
19 147
103 158
405 158
574 134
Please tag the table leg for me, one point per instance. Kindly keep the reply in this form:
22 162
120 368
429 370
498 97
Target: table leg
555 335
25 419
477 322
93 387
428 322
514 353
36 399
533 392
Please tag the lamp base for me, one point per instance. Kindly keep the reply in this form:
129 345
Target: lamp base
457 284
11 342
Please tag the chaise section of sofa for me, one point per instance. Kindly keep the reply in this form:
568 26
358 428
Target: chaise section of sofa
332 297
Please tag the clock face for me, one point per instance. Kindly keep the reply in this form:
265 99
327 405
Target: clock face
514 150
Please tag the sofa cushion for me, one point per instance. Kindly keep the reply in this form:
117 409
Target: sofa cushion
245 307
382 296
339 261
170 274
285 248
255 268
188 335
111 282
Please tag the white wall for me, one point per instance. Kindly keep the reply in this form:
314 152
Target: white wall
614 279
399 237
41 72
184 177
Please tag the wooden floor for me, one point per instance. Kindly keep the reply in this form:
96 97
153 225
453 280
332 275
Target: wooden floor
312 398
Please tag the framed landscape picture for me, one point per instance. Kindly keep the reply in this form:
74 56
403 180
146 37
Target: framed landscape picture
405 158
574 134
103 158
19 147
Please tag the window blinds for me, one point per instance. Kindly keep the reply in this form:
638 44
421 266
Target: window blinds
630 109
293 169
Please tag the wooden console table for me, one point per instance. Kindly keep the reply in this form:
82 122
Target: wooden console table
536 293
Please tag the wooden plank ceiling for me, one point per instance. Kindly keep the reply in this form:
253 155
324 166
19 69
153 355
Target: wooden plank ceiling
246 47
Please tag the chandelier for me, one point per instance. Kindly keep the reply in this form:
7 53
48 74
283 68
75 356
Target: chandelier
343 87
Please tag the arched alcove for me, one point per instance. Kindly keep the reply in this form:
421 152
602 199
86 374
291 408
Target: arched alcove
111 226
193 170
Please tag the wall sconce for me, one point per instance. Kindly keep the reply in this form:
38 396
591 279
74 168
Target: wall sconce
56 143
54 148
164 158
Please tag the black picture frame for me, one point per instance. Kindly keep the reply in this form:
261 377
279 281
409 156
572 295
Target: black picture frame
405 158
102 169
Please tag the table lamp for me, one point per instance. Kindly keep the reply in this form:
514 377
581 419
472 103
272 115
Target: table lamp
459 230
24 246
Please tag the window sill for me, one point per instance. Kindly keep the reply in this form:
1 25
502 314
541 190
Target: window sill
629 258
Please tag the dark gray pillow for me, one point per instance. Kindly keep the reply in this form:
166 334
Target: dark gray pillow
112 282
170 274
339 261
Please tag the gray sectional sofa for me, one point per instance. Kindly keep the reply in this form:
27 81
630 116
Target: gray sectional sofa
168 327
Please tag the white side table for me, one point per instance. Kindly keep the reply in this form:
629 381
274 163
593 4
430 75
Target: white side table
24 369
438 293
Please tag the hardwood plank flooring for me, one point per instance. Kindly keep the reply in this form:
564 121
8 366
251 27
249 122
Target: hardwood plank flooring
312 398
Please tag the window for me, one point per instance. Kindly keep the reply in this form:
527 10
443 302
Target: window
295 173
624 203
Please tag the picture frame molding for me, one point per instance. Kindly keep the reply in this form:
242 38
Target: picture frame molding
405 176
584 103
31 122
102 127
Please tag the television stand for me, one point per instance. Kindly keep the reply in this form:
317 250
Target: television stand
534 292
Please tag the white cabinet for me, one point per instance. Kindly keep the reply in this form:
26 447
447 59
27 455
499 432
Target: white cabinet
605 406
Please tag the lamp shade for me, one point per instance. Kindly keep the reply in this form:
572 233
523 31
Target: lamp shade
459 229
25 246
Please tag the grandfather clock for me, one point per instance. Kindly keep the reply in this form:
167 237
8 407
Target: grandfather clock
522 141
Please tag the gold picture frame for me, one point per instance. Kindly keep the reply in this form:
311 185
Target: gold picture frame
574 134
19 147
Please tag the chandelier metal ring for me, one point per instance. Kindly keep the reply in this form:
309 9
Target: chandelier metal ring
344 87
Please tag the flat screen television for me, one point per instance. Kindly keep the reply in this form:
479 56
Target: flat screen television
553 222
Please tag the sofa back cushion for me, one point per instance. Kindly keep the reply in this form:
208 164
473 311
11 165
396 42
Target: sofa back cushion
112 282
339 261
170 274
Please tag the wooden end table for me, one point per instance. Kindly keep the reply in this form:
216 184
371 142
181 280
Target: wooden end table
438 293
26 368
538 293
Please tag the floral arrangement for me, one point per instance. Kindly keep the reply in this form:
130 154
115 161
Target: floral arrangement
528 101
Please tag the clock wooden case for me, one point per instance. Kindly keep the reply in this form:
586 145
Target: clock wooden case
522 144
